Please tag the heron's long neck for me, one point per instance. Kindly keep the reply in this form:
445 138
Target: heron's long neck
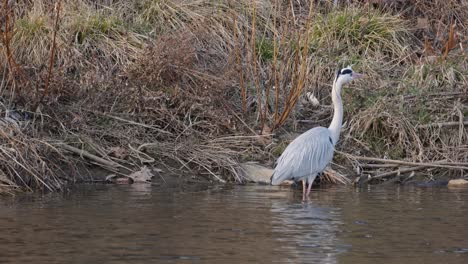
335 126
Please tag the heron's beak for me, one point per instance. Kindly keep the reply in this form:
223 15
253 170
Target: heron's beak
358 75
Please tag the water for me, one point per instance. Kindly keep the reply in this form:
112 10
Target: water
237 224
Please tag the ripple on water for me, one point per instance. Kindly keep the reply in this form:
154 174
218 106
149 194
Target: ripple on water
236 224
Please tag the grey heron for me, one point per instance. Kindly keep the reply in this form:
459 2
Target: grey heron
309 154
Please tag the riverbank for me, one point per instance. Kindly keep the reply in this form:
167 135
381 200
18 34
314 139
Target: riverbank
198 88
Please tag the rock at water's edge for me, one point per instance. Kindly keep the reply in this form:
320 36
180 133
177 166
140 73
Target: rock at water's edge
258 173
458 183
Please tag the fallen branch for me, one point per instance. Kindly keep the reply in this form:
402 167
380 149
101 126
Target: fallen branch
443 94
240 119
132 122
333 176
370 165
213 174
86 154
438 164
442 124
395 172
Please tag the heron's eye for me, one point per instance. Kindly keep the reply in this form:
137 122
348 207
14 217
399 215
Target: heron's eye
346 71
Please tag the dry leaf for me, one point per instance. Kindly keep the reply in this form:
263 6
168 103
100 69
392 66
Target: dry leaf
422 23
428 50
451 43
113 178
110 177
266 130
4 179
265 138
143 175
118 152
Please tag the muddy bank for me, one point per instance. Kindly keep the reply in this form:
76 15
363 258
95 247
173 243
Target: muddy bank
252 173
126 85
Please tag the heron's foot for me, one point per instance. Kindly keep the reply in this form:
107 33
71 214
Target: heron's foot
303 188
308 189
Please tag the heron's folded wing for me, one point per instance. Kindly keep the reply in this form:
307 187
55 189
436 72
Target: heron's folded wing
308 154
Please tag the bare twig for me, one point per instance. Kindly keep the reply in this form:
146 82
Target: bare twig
6 40
86 154
132 122
447 165
240 119
441 94
332 176
395 172
443 124
212 173
369 165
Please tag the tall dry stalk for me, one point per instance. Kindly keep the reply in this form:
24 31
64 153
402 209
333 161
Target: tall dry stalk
254 64
300 70
275 73
283 38
52 51
6 39
274 83
239 61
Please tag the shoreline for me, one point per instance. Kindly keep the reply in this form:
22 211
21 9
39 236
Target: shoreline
200 88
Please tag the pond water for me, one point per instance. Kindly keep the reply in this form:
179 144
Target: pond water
236 224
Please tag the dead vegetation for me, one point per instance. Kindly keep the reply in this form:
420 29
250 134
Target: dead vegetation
27 161
198 86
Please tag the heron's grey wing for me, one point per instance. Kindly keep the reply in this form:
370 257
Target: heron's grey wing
308 154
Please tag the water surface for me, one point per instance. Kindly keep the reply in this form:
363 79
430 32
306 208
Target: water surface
236 224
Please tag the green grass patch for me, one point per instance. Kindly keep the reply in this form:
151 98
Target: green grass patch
265 49
359 32
96 26
31 27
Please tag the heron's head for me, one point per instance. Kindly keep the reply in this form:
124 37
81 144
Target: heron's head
346 75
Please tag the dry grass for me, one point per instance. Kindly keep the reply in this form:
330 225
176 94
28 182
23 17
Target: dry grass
26 160
217 158
196 82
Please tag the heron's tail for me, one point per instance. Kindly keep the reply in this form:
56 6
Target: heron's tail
276 179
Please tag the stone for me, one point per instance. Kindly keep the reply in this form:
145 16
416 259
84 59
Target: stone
254 172
458 183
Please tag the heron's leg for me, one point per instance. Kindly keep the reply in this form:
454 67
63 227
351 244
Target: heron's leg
310 180
308 189
303 189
